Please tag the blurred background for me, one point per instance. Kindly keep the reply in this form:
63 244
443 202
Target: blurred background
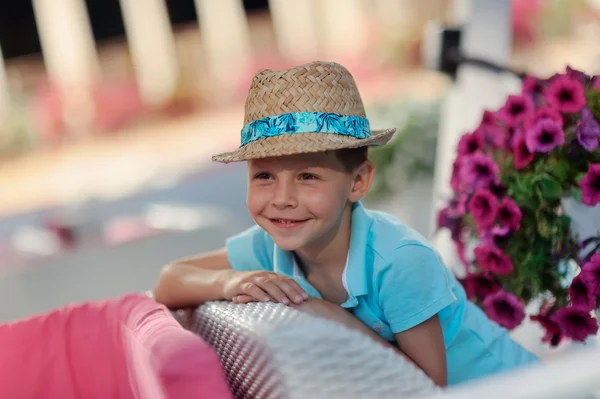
111 109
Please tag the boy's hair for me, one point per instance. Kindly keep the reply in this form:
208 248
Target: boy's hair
351 158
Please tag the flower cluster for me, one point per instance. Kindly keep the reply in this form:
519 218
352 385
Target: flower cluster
509 179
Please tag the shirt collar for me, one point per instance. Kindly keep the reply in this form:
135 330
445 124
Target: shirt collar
354 277
355 273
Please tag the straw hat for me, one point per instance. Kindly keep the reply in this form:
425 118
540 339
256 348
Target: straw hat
310 108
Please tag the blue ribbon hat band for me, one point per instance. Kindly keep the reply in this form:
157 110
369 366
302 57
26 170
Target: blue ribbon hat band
306 122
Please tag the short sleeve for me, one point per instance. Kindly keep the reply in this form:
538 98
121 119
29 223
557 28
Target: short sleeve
414 287
250 250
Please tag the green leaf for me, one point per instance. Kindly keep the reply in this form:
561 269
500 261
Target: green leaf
559 169
544 227
550 188
576 193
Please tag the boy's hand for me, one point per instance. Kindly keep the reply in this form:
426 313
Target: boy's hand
261 286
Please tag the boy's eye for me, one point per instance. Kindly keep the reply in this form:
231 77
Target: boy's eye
263 176
308 176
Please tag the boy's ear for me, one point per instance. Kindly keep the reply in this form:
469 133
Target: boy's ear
363 178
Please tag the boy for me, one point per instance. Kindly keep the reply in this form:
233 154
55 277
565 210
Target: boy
305 139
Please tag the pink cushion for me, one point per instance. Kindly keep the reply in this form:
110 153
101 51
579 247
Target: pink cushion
124 348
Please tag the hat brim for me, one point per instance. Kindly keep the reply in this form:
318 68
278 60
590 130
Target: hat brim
299 143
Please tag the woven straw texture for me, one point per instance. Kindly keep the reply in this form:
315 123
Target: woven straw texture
270 351
314 87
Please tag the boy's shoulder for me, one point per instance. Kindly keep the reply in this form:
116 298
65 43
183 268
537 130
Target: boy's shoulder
390 238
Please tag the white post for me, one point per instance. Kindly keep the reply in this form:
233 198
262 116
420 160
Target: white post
342 28
226 39
69 54
152 46
486 35
295 28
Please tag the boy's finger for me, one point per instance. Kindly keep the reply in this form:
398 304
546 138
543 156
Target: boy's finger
274 291
256 292
244 299
292 290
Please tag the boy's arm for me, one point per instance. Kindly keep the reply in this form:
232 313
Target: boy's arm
195 280
333 312
210 277
424 345
413 289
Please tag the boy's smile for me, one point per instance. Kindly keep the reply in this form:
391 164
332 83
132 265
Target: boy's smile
301 200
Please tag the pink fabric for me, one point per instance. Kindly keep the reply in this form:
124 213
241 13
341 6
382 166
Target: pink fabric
125 348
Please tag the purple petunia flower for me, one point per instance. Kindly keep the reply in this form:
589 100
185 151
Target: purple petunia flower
553 333
588 130
577 75
497 188
565 94
489 119
478 170
576 323
590 273
492 259
543 112
494 136
516 109
590 185
455 179
581 294
505 309
532 86
470 143
596 83
523 157
509 214
480 285
483 206
493 235
545 136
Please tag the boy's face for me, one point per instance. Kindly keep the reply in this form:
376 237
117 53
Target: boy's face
300 199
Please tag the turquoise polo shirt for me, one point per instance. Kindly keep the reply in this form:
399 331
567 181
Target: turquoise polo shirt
396 280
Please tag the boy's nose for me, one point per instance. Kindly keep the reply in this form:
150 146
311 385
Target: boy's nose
285 195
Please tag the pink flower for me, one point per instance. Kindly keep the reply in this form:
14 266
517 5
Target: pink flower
470 143
455 178
505 309
565 94
480 285
596 83
509 214
590 185
495 234
543 112
590 273
450 216
510 136
532 86
483 206
478 170
577 75
554 334
576 323
523 157
588 130
492 259
545 136
494 136
581 294
489 119
516 109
